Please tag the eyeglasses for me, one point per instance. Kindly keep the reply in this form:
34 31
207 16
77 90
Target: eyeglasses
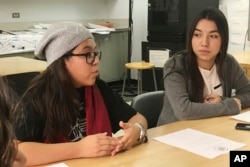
90 56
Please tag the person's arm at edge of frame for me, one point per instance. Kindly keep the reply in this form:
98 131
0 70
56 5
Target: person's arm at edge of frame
91 146
242 96
52 152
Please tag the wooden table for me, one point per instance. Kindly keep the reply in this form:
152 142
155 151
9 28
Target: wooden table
244 59
157 154
16 64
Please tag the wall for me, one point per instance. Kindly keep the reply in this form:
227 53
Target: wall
44 10
117 9
139 32
47 11
236 12
113 46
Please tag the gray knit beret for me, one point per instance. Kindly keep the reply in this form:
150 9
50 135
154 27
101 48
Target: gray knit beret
59 39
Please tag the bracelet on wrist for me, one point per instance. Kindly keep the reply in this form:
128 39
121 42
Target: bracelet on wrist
143 137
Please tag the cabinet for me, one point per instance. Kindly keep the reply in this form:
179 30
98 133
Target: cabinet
114 47
169 20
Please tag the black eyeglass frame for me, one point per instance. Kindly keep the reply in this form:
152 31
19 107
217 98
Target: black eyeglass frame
90 56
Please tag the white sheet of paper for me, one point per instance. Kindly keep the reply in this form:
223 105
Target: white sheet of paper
245 116
58 165
237 19
158 57
204 144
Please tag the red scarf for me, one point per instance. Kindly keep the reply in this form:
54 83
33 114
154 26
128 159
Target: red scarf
96 113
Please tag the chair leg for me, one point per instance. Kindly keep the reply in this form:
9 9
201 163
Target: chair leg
153 70
124 82
140 73
138 82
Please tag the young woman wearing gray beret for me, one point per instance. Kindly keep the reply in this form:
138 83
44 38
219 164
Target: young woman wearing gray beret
69 111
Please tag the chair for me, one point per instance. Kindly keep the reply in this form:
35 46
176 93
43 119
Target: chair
20 81
139 66
149 104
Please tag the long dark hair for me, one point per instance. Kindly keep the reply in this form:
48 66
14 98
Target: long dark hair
54 98
8 103
196 82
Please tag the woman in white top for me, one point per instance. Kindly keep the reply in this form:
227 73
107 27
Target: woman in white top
204 81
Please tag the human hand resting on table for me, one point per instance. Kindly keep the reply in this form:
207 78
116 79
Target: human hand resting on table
130 137
98 145
212 99
238 103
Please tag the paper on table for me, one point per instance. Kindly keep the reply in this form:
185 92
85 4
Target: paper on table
207 145
245 116
58 165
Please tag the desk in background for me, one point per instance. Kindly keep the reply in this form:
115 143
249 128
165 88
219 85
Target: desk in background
114 47
157 154
15 65
244 60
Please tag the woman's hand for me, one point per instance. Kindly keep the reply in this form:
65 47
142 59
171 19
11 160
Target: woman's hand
130 138
97 145
212 99
238 103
